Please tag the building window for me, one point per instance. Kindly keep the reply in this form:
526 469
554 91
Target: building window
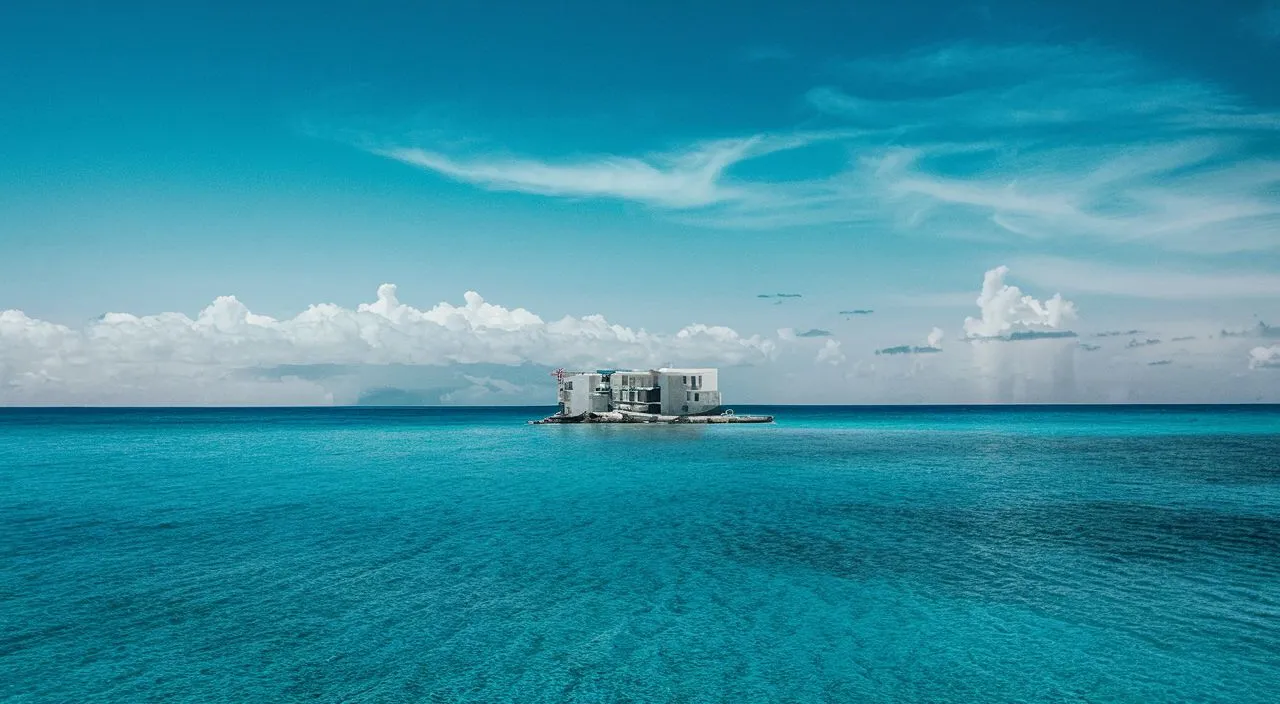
695 397
688 395
699 381
684 380
568 385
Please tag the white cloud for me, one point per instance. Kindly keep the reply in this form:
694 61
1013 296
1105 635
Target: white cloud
170 358
1006 310
1034 141
389 352
935 338
1260 357
1056 142
1178 195
830 353
692 178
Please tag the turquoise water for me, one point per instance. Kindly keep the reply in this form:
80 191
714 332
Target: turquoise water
842 555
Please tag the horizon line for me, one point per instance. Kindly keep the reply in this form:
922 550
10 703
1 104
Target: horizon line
1143 404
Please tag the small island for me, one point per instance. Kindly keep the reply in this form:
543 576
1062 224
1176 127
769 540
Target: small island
642 396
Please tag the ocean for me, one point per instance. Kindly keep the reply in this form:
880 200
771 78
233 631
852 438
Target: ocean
991 554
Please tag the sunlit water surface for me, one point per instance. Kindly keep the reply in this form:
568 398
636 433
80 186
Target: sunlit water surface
841 555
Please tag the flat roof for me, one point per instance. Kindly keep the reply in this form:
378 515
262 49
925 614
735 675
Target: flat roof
687 370
664 370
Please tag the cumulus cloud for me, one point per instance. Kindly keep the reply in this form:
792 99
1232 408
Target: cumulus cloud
830 353
1006 311
1265 357
171 358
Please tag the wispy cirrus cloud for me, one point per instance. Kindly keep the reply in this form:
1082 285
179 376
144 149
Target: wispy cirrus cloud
1188 195
1045 142
994 142
691 178
684 180
1064 142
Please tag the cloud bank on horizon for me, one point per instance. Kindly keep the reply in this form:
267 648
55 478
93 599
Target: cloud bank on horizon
171 358
228 355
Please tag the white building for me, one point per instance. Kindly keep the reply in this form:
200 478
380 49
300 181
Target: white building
668 392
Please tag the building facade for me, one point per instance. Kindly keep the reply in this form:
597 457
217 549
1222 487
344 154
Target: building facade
668 392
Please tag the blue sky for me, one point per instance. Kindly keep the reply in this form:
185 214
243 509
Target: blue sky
880 156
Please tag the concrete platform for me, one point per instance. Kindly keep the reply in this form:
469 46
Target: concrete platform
630 417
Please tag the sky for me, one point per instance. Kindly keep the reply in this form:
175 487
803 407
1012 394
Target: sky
853 202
